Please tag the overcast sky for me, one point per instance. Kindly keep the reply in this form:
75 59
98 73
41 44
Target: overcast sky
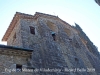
86 13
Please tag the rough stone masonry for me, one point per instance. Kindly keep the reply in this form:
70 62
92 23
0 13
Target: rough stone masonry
58 48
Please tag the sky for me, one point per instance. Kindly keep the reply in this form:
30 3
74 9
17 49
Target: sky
86 13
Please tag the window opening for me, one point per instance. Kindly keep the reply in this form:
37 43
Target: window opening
18 68
54 36
70 40
76 59
14 37
32 30
77 45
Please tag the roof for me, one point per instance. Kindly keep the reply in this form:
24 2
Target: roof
16 17
19 15
11 50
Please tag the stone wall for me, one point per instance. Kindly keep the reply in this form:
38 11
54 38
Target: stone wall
13 62
67 51
56 45
88 43
14 39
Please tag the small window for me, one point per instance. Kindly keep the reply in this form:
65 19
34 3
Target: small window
18 68
70 40
14 37
32 30
77 45
54 36
76 59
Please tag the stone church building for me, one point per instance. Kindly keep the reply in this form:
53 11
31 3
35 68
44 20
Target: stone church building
43 44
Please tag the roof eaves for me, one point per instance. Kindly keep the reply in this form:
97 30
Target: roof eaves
11 26
16 48
19 15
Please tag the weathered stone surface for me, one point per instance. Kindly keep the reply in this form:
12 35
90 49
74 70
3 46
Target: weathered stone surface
8 63
13 58
68 48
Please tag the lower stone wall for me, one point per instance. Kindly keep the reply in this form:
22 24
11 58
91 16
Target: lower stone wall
8 65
